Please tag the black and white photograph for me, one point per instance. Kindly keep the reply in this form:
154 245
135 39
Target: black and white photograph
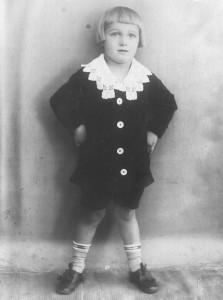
111 153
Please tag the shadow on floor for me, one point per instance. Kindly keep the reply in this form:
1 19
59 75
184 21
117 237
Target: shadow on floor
114 285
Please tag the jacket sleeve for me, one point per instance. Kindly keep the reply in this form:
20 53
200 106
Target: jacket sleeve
66 104
161 107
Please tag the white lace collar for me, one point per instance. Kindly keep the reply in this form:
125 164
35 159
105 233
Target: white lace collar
108 83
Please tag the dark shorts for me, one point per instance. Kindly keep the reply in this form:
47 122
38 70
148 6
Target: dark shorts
98 198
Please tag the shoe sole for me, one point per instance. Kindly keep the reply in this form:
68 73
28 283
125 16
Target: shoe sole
62 292
153 290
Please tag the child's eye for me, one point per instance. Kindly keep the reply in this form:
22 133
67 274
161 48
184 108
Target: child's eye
115 33
132 35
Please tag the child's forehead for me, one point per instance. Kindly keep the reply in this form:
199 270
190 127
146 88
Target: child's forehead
121 26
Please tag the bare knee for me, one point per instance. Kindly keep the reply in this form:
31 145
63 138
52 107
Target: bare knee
92 216
124 214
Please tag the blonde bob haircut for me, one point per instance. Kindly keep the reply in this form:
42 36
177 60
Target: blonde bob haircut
119 14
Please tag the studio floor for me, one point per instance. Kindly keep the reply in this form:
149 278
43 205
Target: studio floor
181 284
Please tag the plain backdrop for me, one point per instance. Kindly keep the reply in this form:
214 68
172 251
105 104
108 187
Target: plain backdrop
181 215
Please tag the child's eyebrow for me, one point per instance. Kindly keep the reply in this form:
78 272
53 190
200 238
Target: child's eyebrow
133 31
113 29
118 29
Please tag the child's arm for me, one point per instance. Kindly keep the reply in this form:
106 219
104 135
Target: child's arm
152 139
161 108
66 104
80 135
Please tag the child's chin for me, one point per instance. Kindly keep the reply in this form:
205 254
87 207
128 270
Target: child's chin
124 60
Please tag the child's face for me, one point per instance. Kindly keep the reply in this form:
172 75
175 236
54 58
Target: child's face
121 42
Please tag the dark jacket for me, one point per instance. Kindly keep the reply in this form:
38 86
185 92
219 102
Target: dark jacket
79 102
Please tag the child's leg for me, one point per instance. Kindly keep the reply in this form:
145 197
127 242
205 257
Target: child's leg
129 230
84 233
128 225
87 225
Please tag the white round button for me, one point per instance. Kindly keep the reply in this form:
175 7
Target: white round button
120 124
119 101
120 150
123 172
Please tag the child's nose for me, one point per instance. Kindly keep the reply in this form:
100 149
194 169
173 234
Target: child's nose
123 41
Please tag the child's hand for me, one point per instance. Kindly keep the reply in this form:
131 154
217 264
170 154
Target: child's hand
152 139
80 135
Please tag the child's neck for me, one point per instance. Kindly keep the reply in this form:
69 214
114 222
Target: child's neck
118 70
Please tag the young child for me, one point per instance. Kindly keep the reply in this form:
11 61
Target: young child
116 109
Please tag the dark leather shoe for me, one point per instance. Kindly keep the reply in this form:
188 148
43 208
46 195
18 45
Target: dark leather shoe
143 279
68 282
